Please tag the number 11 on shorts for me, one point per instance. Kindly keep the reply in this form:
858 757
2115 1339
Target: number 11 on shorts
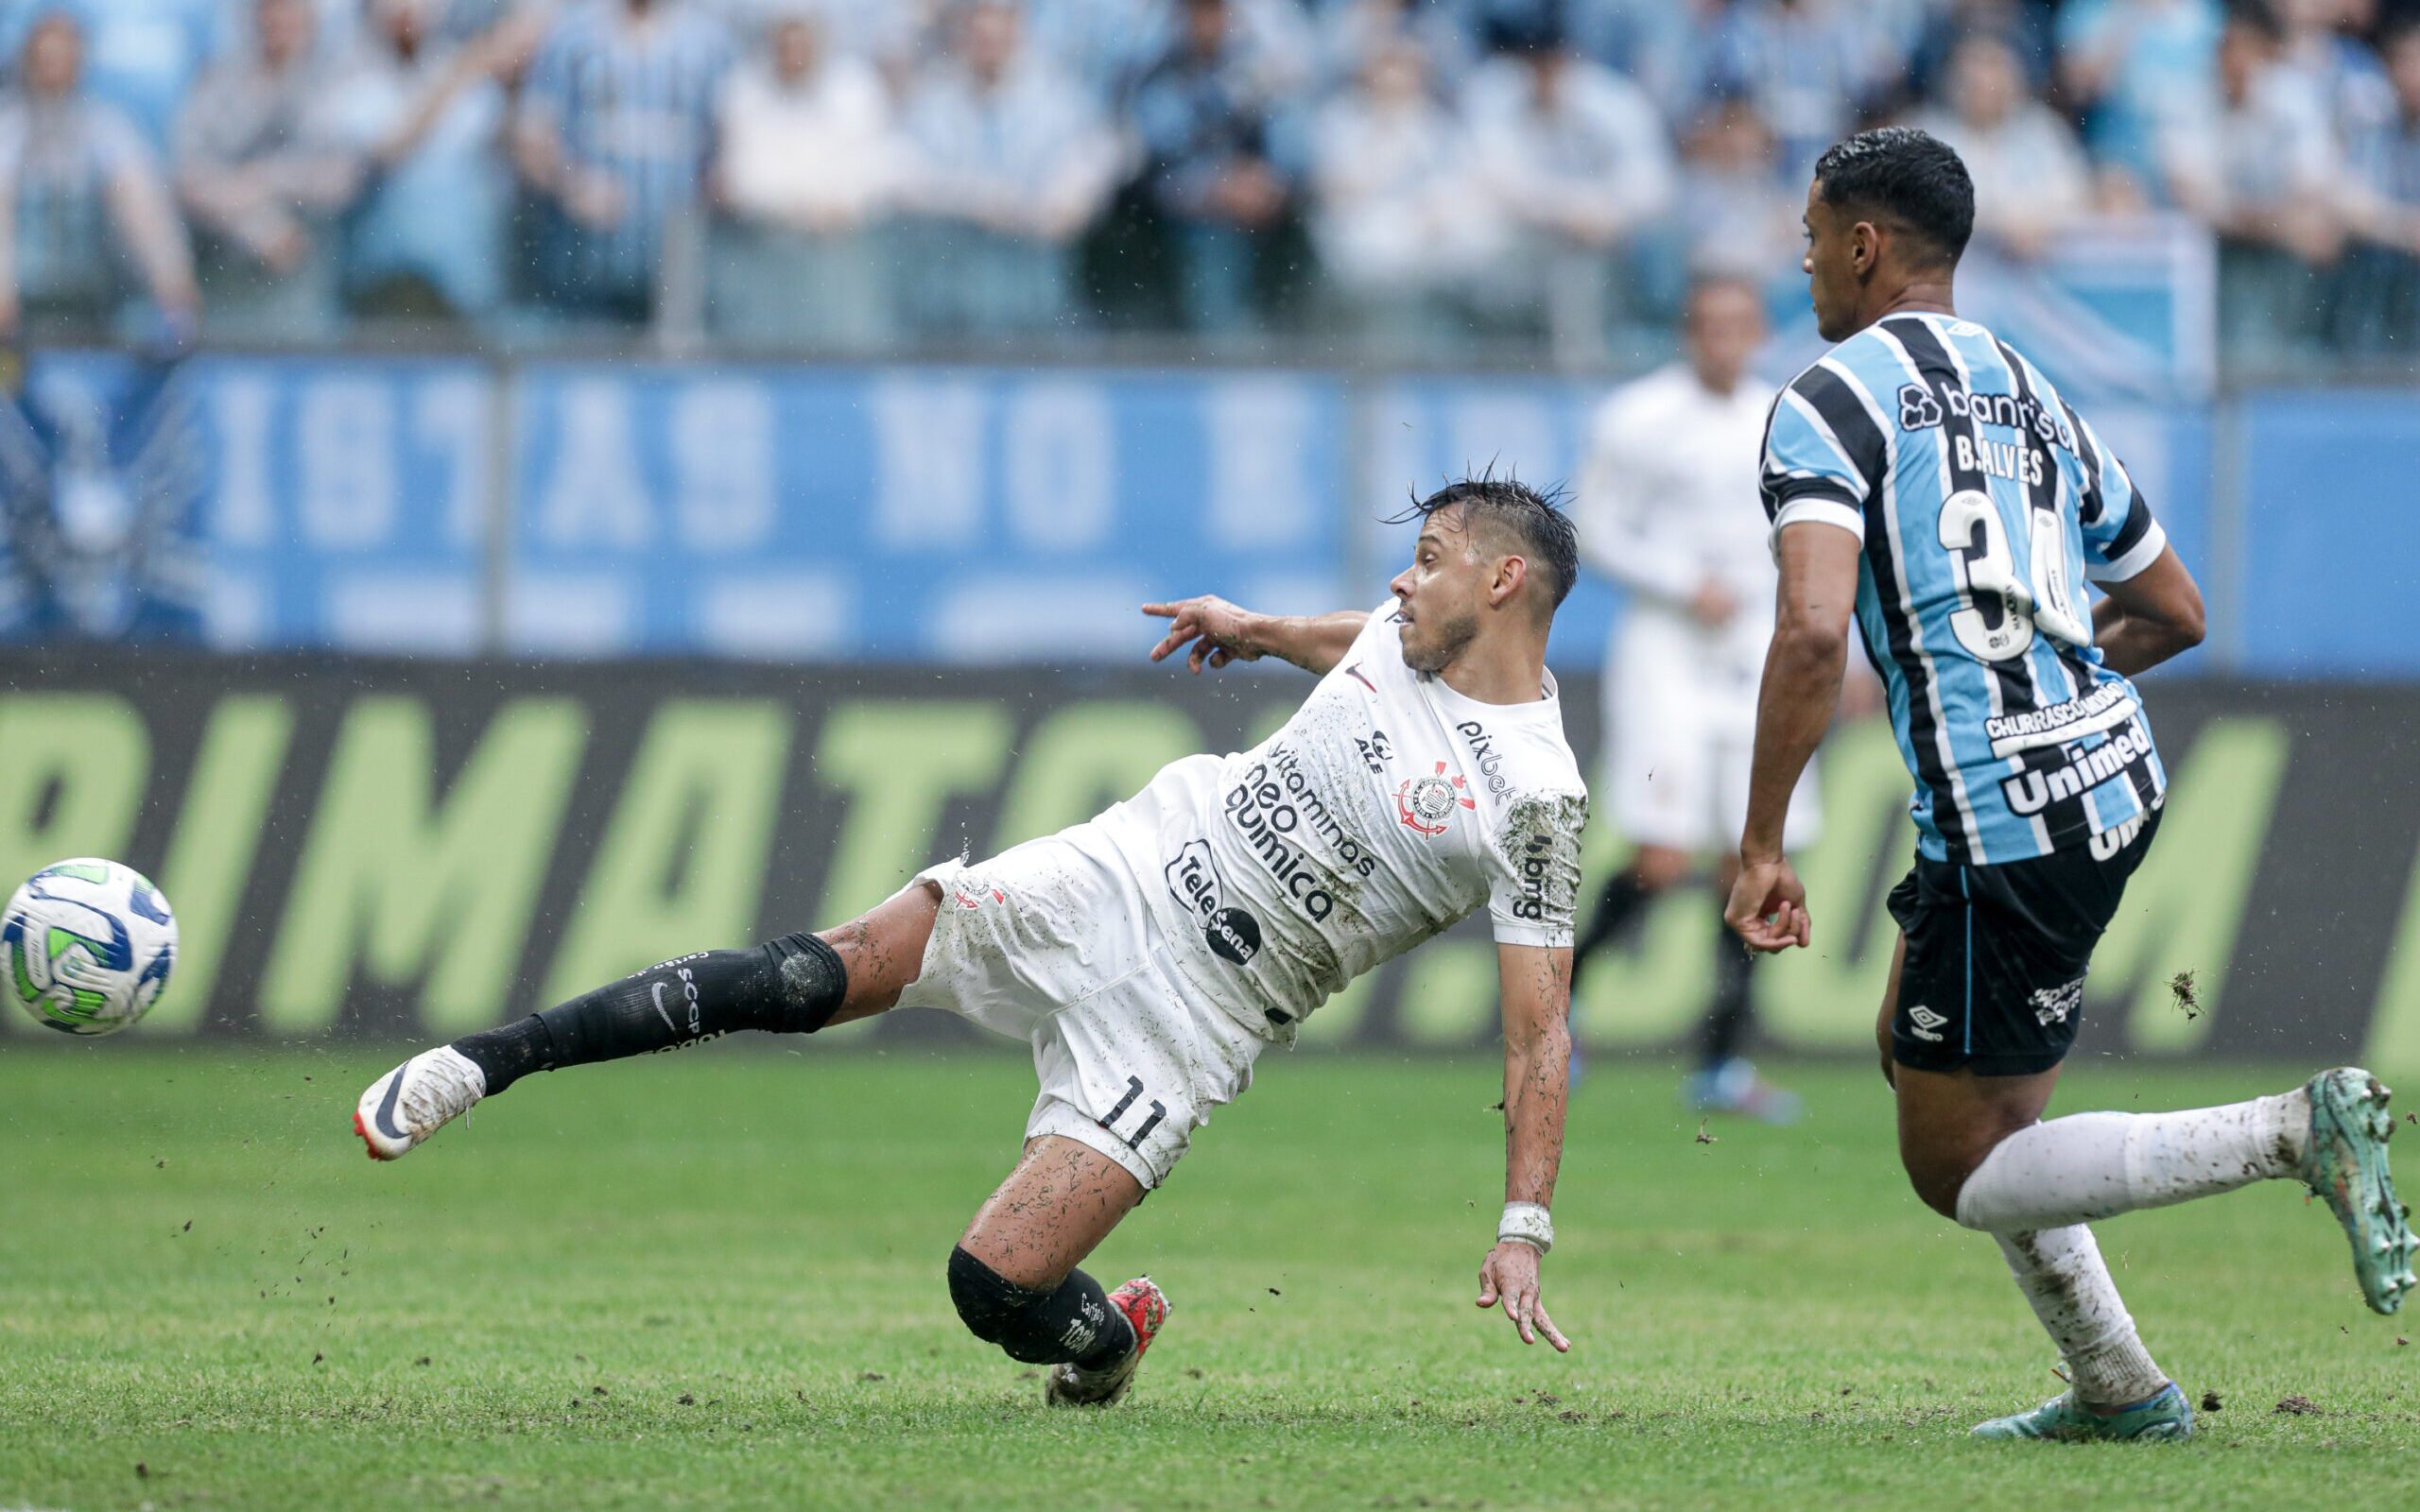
1133 1090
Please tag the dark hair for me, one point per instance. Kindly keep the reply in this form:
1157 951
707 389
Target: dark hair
1548 541
1909 178
2257 17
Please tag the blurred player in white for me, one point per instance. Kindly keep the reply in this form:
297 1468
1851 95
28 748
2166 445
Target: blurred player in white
1667 509
1150 954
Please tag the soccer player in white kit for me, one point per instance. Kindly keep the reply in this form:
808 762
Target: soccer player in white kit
1663 509
1150 955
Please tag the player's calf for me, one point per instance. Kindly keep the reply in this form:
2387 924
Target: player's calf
793 985
1070 1323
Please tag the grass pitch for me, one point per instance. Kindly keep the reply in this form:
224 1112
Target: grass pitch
717 1280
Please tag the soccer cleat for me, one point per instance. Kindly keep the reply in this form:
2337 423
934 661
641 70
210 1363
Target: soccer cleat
1069 1386
415 1100
2063 1419
2346 1167
1734 1086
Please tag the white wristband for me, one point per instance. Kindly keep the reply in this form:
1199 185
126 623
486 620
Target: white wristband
1528 1223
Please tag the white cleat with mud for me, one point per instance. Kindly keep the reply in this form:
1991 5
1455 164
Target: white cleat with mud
415 1100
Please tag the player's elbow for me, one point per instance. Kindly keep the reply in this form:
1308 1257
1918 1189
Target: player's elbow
2189 624
1812 637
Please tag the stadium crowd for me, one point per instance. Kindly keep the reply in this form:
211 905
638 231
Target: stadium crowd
848 174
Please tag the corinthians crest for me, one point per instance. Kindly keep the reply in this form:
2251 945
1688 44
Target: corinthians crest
1424 803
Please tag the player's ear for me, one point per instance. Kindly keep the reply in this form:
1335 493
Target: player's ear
1511 574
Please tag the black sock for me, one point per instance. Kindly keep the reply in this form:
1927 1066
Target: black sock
789 985
1073 1322
1726 1023
1623 896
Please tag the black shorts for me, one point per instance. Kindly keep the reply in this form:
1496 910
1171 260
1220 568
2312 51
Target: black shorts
1994 977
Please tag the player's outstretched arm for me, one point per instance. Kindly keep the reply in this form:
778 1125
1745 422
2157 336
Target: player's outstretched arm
1220 632
2149 617
1801 688
1536 983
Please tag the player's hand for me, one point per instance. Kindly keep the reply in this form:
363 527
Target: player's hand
1712 605
1219 632
1510 1272
1768 908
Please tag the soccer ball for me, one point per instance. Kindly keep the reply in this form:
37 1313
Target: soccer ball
86 946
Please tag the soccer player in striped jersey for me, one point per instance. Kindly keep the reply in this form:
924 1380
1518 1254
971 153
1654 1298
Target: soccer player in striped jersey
1927 479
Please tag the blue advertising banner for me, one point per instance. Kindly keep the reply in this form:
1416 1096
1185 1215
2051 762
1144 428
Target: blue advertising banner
247 502
952 515
350 503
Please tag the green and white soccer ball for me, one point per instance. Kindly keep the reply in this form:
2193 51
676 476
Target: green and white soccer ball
86 946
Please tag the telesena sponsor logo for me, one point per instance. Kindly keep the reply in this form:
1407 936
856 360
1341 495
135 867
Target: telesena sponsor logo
1193 881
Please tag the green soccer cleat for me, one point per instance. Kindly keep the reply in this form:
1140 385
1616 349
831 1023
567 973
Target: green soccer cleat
2064 1419
2347 1167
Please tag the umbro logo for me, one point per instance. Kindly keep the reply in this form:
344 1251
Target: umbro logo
1927 1022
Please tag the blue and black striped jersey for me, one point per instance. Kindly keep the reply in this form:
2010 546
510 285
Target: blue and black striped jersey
1984 502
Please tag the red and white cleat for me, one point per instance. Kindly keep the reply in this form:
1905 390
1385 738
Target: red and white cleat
1146 1307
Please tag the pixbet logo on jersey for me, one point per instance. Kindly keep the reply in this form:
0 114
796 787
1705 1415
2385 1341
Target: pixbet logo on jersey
1424 803
1194 881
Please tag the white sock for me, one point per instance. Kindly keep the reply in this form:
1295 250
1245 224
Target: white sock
2060 1272
2095 1165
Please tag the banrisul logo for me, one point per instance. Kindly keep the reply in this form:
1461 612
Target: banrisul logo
1193 881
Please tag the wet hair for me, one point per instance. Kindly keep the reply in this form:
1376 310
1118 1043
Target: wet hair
1906 177
1535 519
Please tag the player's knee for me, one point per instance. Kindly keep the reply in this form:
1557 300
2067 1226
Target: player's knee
993 1308
1941 1172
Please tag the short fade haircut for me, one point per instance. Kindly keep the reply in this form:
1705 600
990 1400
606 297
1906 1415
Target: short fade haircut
1909 178
1534 518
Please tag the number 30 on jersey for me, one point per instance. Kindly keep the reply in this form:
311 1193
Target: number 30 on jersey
1988 575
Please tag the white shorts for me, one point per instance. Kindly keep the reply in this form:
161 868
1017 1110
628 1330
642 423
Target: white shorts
1678 752
1051 943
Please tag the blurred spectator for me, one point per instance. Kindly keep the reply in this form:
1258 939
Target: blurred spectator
2031 178
1739 215
2379 312
141 56
80 198
1008 165
428 116
2256 160
1398 217
2130 64
889 34
1576 159
1813 68
1676 53
616 132
810 158
2336 67
264 170
1351 30
2023 24
1203 114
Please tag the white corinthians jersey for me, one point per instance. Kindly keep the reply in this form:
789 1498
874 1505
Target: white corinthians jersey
1663 507
1388 808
